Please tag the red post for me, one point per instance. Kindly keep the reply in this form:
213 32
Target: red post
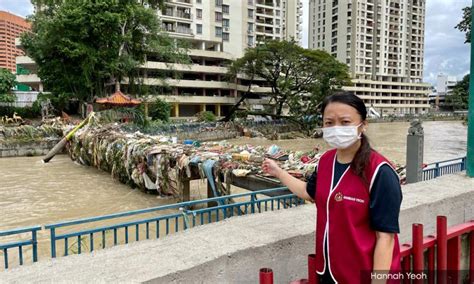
406 267
471 257
266 276
418 258
454 259
442 248
312 279
431 265
406 264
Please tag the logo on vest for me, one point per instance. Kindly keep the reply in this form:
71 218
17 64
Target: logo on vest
338 197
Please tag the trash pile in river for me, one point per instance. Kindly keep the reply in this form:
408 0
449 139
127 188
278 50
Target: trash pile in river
28 133
159 163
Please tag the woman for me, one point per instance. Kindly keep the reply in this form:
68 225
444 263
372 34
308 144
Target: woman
357 195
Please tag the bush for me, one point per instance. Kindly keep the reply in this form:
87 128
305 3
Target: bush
206 116
160 110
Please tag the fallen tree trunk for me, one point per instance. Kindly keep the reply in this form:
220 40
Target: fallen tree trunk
58 147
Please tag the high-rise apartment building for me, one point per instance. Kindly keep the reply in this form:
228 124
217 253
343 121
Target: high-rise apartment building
235 24
11 27
218 31
382 42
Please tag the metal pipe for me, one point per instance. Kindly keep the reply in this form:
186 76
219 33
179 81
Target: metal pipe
266 276
442 249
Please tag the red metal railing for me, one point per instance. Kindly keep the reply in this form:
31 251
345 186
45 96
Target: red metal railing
443 254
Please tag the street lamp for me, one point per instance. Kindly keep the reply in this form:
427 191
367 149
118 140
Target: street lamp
470 116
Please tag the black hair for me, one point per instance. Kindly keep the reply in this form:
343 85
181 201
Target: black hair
361 158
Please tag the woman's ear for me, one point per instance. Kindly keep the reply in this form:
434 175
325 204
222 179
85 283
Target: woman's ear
365 125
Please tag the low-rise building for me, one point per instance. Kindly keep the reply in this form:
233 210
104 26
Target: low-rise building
218 32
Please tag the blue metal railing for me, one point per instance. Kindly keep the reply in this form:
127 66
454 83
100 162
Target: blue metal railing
79 240
186 217
20 244
438 169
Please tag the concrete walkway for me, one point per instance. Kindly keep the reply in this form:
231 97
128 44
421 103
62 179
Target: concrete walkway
233 250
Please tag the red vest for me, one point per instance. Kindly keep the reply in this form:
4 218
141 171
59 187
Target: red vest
343 219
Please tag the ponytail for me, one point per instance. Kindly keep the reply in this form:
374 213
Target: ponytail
361 159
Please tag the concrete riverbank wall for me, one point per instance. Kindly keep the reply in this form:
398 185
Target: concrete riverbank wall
32 148
232 251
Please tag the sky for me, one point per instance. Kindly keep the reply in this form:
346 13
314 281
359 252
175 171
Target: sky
445 51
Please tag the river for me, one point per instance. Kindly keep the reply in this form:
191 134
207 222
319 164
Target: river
34 193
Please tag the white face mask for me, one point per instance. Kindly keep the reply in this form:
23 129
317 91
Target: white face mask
341 137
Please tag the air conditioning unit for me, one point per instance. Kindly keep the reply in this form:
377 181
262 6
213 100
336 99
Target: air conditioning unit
226 29
250 32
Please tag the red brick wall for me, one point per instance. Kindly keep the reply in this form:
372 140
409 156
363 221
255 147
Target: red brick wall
11 27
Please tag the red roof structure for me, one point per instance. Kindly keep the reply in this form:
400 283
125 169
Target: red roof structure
118 99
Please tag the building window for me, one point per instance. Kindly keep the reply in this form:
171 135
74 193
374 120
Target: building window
225 36
225 9
199 1
250 40
199 29
250 2
218 17
225 23
250 13
218 3
199 13
250 26
218 31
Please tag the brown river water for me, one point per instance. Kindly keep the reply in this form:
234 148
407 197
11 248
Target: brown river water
34 193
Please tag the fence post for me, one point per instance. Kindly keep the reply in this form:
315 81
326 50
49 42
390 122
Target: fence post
414 155
252 202
471 257
35 246
454 259
312 278
442 248
266 276
418 257
53 243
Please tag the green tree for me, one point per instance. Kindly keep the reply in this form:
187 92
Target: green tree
82 48
465 24
299 78
459 98
160 110
7 82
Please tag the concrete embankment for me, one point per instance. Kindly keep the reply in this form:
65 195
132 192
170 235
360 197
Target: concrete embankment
21 149
233 250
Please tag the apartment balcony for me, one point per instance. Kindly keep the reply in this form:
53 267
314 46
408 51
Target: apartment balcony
177 15
199 99
177 29
194 68
187 3
26 62
30 79
267 3
210 54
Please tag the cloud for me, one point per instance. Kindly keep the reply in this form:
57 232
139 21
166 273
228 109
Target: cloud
21 8
445 51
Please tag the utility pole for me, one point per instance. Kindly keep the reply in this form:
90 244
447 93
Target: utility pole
470 116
